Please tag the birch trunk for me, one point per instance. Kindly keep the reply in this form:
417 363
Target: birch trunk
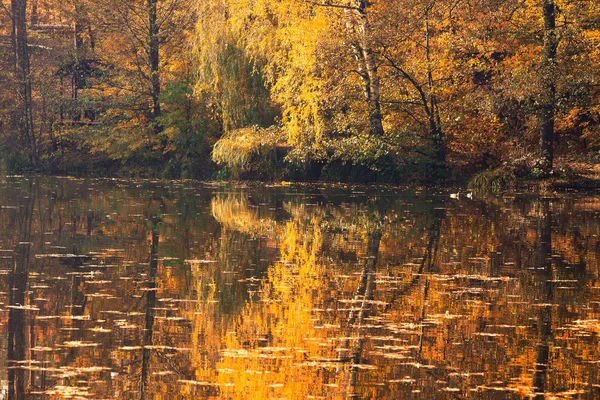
359 28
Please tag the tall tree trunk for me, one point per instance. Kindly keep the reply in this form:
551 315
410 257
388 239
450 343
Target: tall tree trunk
21 53
34 12
13 40
435 126
78 47
358 24
154 60
548 89
61 91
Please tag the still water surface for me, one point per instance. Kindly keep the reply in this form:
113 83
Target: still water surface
141 290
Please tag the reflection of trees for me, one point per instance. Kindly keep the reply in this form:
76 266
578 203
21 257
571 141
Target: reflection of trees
361 308
78 302
430 278
293 300
17 289
234 212
245 244
84 320
546 282
149 308
268 336
426 268
301 295
426 262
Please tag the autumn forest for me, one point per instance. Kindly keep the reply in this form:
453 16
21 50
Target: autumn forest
335 90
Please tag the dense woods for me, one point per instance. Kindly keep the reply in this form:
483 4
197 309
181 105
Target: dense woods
342 90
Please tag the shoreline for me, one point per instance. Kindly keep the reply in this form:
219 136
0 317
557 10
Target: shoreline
578 184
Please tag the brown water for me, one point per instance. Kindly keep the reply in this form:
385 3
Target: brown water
136 290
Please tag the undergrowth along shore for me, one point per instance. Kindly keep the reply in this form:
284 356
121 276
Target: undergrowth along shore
579 174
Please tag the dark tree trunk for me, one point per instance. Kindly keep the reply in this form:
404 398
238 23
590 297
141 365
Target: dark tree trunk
61 110
13 40
34 12
548 81
433 114
78 46
22 66
154 60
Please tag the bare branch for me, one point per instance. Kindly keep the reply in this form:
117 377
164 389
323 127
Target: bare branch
8 12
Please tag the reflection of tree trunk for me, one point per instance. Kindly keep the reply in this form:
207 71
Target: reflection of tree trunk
544 270
435 229
150 304
365 285
427 266
90 223
16 323
78 302
363 300
16 314
427 262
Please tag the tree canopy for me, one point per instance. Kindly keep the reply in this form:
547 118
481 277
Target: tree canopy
334 89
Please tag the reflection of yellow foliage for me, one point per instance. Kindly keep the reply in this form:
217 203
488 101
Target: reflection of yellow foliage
267 355
206 329
479 302
234 212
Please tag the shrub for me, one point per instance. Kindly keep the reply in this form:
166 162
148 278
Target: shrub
492 181
252 149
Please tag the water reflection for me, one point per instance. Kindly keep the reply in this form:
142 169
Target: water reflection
17 281
150 307
544 276
147 290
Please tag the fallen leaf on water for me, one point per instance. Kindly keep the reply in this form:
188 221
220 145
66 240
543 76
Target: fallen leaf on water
78 343
195 383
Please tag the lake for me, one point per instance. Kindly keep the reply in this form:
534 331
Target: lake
154 290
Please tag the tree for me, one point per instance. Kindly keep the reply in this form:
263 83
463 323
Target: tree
23 73
140 39
360 33
229 80
414 57
548 87
154 61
